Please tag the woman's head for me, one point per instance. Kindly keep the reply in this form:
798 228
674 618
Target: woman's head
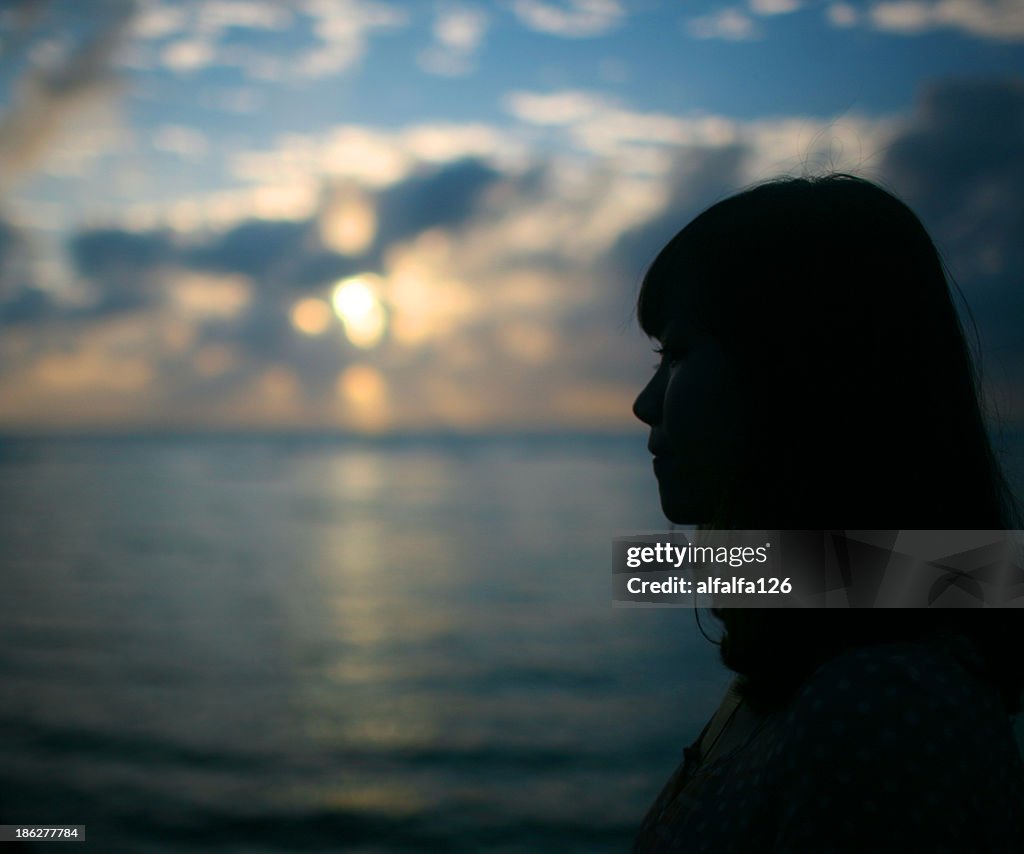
815 372
815 375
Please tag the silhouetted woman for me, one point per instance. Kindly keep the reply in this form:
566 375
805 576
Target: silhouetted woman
814 375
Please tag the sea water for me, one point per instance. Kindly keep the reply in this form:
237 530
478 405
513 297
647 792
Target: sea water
273 644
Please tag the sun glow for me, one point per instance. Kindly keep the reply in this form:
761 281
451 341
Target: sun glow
311 316
356 303
348 225
365 393
427 302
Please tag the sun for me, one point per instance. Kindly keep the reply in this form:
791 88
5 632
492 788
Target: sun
361 312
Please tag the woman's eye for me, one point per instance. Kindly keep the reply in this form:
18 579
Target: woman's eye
669 355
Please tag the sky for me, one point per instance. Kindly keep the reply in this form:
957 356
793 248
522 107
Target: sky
359 215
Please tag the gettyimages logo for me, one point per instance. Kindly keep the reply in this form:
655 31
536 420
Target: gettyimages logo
830 569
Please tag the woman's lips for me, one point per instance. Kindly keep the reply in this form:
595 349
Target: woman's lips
661 453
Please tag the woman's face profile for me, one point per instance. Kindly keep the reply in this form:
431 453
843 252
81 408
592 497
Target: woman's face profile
693 408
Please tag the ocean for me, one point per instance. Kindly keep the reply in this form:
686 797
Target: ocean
269 644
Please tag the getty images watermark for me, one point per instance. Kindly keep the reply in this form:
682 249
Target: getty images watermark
819 569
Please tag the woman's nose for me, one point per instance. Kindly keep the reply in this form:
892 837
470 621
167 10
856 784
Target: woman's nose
647 406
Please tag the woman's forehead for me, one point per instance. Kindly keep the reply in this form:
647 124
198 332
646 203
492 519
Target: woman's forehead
677 308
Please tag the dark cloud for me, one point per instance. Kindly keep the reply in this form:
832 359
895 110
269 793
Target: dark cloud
960 166
443 197
120 266
701 177
263 336
130 269
275 254
257 248
12 249
44 97
263 331
48 95
107 251
21 300
28 305
123 266
317 268
279 255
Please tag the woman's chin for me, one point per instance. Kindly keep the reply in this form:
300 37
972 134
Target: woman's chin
683 501
677 510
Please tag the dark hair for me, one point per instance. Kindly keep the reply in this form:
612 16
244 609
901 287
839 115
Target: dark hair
861 400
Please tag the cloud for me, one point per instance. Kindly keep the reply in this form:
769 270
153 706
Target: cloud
443 196
189 55
217 305
349 151
100 253
555 108
439 142
156 20
570 18
49 95
122 271
479 271
774 7
240 100
960 164
373 157
208 20
717 156
729 24
186 142
842 14
129 269
209 297
12 258
121 267
649 143
257 248
458 34
342 29
999 20
193 38
284 180
482 269
969 133
501 283
28 305
700 177
275 255
21 299
599 125
213 17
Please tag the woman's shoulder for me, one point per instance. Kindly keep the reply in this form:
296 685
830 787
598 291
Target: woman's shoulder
907 732
912 697
872 678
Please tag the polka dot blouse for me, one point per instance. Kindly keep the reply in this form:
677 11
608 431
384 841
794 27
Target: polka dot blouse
887 747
